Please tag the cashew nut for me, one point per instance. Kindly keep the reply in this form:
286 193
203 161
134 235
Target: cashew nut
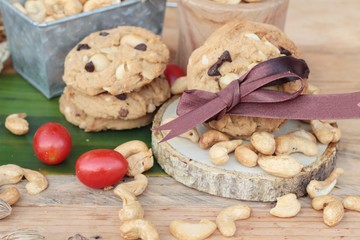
17 124
289 143
246 155
136 187
140 162
319 188
94 4
179 86
225 221
25 234
10 195
352 203
138 155
10 174
263 142
333 209
210 137
20 7
324 132
62 8
311 89
131 207
37 181
219 152
35 10
304 134
138 228
5 209
192 134
192 231
281 166
286 206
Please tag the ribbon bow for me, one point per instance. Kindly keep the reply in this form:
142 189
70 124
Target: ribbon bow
246 97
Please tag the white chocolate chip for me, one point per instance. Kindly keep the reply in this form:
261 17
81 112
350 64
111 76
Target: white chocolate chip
252 36
120 72
227 79
100 62
85 59
204 60
132 40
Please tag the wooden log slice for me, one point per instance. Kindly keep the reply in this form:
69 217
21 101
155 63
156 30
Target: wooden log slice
187 163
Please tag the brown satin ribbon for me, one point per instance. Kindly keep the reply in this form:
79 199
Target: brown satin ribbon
245 97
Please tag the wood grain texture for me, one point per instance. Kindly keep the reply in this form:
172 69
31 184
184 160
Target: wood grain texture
327 32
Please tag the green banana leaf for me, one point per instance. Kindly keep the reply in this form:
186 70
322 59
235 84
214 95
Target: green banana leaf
17 95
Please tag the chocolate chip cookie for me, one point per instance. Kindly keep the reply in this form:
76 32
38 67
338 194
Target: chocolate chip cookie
230 52
116 61
126 106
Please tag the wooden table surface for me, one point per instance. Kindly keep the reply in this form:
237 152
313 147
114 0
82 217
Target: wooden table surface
327 32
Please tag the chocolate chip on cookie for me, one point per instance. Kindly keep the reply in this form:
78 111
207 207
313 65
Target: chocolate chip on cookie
123 113
121 96
90 67
214 69
285 51
83 46
141 47
104 34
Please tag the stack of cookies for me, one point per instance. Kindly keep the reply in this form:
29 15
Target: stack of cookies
114 79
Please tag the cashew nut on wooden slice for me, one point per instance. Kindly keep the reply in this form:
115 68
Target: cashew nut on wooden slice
325 132
333 210
210 137
286 206
17 124
192 134
246 155
37 181
225 221
319 188
283 166
139 229
289 143
192 231
218 153
263 142
352 203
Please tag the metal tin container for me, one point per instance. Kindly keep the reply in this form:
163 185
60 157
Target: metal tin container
38 50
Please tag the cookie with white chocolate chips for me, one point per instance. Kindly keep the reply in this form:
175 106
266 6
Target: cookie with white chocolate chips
117 61
230 52
125 106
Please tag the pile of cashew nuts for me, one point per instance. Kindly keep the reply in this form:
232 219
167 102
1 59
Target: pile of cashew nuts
50 10
270 153
12 174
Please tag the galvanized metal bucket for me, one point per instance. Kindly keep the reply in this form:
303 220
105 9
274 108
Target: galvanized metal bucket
38 50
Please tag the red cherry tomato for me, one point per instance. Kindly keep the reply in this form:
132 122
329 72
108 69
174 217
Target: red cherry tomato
101 168
52 143
173 72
